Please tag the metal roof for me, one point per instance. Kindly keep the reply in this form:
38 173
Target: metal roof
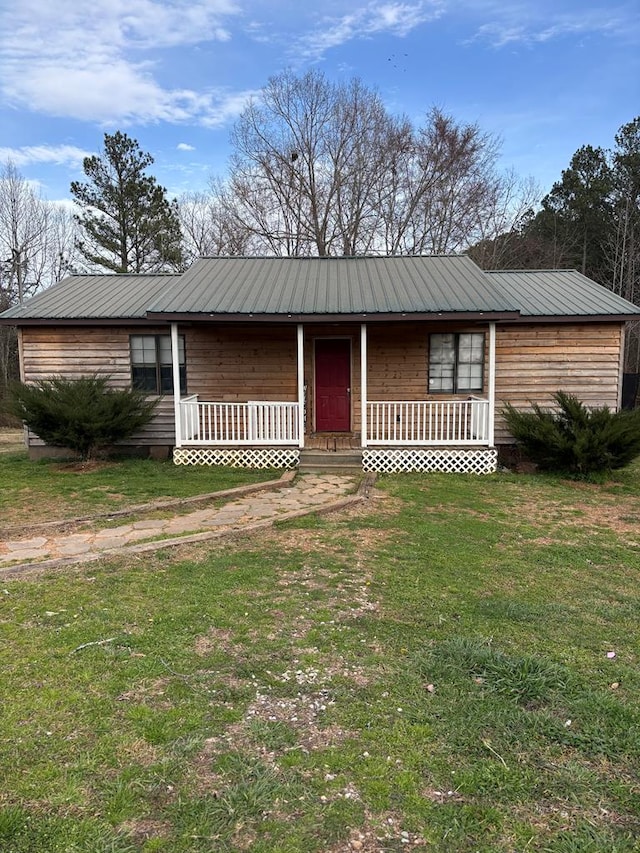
558 293
323 287
320 286
84 297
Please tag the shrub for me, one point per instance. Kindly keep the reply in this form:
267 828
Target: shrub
82 414
574 439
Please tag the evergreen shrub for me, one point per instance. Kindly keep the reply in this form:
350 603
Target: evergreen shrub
574 439
83 414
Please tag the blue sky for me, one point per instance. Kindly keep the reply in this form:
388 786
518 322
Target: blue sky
546 76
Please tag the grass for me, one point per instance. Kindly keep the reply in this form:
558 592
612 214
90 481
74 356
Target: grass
47 490
453 668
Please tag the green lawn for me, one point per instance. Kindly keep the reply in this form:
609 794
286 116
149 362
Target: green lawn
48 490
454 667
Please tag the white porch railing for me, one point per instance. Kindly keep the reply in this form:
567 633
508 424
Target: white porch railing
422 422
253 423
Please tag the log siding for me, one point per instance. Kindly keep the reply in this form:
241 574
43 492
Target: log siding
534 361
240 362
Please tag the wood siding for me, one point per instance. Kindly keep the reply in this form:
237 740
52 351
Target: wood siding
240 362
534 361
237 363
78 351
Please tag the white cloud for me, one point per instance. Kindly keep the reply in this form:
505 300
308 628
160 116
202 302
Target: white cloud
535 24
56 155
95 62
183 146
395 18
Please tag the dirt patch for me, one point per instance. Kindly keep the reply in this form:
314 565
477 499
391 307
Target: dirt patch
146 829
379 834
216 639
86 467
152 694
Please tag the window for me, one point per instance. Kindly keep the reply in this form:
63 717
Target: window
456 362
151 364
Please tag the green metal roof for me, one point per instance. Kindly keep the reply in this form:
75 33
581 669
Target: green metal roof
88 297
558 293
335 286
291 288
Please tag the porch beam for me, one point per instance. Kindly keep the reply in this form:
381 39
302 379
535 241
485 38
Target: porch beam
175 370
363 384
301 400
492 384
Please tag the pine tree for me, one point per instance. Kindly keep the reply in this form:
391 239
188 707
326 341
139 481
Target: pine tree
127 222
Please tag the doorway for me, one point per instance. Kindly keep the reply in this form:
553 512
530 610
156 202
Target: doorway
333 384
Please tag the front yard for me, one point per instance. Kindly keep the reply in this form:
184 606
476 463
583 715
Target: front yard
452 667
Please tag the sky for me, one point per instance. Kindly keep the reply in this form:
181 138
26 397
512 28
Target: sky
546 76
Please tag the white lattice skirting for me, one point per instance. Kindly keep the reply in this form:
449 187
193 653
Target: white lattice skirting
406 460
243 457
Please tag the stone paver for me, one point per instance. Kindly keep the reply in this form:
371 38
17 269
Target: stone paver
309 493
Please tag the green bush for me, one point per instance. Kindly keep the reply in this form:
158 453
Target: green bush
574 439
82 414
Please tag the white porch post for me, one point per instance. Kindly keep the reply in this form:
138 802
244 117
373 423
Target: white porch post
492 383
363 384
175 370
301 400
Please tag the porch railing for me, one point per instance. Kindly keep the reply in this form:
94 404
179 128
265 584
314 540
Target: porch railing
427 422
255 422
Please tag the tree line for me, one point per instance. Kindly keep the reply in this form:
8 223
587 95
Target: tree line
322 168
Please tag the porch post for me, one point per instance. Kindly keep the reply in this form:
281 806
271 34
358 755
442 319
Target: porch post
363 384
492 383
175 370
301 400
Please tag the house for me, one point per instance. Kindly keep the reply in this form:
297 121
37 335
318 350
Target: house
406 360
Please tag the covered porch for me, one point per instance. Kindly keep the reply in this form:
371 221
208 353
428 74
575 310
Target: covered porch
402 434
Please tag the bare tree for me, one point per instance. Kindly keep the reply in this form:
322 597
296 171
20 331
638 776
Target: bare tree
210 226
36 250
24 224
323 168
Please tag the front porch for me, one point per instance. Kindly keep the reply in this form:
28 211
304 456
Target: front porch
451 435
416 434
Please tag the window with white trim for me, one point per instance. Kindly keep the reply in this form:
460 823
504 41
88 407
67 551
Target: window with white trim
456 362
151 363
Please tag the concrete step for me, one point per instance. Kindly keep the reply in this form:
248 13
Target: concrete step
323 460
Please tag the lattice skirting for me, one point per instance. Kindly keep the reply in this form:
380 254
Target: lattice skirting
405 460
243 457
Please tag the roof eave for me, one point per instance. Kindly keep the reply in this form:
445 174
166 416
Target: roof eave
74 321
360 317
576 318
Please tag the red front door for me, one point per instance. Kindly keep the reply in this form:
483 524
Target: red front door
333 385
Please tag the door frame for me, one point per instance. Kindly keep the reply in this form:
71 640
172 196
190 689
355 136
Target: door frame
349 339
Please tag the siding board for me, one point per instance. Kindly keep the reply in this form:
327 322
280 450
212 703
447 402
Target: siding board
73 353
239 362
533 362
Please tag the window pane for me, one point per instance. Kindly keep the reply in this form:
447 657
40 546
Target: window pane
442 349
441 362
164 349
143 349
469 377
471 348
441 377
166 379
144 378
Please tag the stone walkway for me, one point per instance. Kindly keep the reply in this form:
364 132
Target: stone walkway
286 499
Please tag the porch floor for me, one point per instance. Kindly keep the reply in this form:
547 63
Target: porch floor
332 441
